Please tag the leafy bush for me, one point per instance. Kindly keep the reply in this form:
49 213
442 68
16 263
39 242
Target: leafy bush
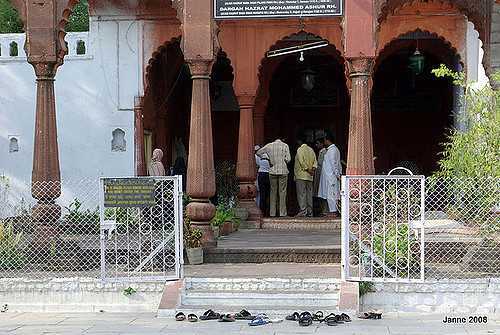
11 253
470 168
10 22
223 214
81 221
193 238
365 287
79 19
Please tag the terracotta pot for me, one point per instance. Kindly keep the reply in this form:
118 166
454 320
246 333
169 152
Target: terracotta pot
227 228
195 255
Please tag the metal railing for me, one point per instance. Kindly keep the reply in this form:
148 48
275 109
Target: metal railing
411 228
75 239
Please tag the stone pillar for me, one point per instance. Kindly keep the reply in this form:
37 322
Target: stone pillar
459 111
140 162
245 167
360 146
46 176
201 172
259 120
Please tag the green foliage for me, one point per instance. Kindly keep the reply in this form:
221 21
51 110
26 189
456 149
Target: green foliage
393 248
193 238
223 214
129 291
365 287
473 153
226 184
11 253
79 19
10 22
81 221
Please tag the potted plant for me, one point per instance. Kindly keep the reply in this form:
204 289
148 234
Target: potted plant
193 248
224 219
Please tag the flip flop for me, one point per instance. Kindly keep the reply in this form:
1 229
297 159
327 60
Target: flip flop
365 315
259 321
305 319
376 315
192 318
210 315
227 318
243 315
318 316
330 319
293 317
344 317
180 316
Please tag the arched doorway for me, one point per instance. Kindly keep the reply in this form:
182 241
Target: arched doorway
412 109
306 95
167 106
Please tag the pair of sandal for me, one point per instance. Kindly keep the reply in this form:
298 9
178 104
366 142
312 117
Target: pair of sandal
305 318
372 314
333 319
181 317
211 315
263 319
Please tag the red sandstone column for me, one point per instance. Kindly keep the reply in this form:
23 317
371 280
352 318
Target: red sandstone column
46 177
258 120
201 172
140 163
360 151
245 167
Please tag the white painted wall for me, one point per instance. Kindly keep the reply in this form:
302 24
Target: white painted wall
94 95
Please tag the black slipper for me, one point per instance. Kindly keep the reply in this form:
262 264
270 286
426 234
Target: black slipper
293 317
192 318
227 318
375 315
243 315
210 315
330 319
318 316
344 317
180 316
305 319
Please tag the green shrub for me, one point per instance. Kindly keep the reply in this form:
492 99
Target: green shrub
81 221
79 19
223 214
10 22
11 253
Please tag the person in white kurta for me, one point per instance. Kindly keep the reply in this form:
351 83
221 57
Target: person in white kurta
329 184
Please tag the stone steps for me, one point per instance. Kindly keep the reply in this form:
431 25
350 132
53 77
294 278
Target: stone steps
273 296
302 224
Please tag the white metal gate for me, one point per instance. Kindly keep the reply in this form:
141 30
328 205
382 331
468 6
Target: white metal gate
141 228
382 228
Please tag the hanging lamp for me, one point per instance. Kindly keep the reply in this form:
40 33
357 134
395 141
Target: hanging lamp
417 62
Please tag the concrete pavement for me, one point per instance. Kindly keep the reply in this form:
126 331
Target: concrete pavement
126 323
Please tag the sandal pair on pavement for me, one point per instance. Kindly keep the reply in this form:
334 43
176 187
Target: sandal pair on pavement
372 314
181 317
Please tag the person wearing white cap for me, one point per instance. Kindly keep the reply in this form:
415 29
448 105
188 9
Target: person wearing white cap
263 184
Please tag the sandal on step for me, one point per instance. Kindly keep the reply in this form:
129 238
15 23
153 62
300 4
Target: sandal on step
376 314
365 315
293 317
210 315
180 316
243 315
192 318
305 319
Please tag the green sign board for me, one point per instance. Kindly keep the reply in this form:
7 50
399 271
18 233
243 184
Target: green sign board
129 192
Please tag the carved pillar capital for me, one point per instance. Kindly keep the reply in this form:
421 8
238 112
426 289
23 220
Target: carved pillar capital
246 101
360 66
44 70
200 68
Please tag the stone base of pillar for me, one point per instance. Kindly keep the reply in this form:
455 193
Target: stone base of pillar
200 211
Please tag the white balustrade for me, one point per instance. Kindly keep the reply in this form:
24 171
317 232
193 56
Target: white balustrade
78 46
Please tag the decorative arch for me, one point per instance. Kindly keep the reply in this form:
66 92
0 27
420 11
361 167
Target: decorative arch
476 11
154 58
262 94
451 29
383 53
